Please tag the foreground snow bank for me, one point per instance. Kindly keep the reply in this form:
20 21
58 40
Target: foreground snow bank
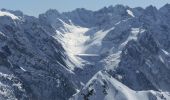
104 87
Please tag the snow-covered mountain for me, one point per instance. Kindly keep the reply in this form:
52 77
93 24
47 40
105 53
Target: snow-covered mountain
104 87
118 53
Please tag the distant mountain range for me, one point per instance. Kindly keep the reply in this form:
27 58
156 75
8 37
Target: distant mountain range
115 53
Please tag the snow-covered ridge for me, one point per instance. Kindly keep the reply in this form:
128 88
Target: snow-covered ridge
113 53
104 87
5 13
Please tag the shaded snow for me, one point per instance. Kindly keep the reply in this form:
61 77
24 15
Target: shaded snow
94 44
99 35
112 61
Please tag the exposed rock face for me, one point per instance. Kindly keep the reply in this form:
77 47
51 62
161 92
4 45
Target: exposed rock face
32 62
96 52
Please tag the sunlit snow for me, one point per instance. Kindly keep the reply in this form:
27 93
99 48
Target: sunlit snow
130 13
2 13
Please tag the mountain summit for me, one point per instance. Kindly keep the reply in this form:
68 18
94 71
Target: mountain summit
118 53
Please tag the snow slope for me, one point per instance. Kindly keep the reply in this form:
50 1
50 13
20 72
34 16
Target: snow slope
104 87
130 13
119 53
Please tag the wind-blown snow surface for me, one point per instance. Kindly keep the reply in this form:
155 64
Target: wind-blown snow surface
104 87
118 53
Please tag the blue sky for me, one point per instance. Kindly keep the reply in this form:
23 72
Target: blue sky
35 7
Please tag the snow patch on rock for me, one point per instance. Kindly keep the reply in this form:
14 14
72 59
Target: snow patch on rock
130 13
2 13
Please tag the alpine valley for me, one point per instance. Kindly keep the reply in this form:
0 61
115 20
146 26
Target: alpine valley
115 53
